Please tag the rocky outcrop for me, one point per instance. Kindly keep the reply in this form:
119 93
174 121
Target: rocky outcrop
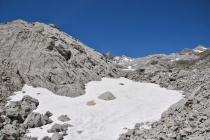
42 55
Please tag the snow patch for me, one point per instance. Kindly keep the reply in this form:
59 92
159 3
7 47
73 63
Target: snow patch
135 102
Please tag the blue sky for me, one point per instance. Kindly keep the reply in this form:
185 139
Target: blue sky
135 28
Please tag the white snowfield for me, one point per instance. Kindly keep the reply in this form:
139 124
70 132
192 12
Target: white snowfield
135 102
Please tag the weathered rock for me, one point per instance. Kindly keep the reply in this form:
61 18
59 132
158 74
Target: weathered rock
107 96
48 114
90 103
59 128
46 138
49 58
36 120
57 136
64 118
11 130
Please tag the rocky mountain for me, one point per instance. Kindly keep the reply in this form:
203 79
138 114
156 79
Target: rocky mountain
42 55
157 61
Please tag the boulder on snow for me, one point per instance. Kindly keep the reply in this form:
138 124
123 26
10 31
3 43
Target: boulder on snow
35 119
107 96
64 118
59 128
90 103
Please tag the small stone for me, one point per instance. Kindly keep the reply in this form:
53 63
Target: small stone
188 129
79 132
90 103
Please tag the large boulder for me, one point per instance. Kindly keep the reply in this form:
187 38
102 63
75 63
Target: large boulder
19 110
107 96
57 136
36 120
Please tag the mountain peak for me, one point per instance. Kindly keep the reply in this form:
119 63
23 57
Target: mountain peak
200 48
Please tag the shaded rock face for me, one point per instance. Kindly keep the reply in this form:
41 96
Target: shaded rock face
36 120
10 81
44 56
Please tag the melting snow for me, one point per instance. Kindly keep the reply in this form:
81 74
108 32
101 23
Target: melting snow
135 102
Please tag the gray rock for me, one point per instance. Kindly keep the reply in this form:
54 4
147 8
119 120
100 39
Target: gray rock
48 114
50 58
46 138
36 120
11 130
107 96
59 128
57 136
64 118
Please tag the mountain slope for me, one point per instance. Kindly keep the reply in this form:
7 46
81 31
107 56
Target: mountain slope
46 57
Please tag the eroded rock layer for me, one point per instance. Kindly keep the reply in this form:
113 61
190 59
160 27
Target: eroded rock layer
42 55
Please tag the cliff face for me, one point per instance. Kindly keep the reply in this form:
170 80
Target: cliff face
42 55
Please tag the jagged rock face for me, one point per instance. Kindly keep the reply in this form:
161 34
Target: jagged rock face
45 56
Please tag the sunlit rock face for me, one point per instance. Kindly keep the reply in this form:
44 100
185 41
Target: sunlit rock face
42 55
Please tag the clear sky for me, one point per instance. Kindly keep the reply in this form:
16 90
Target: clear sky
135 28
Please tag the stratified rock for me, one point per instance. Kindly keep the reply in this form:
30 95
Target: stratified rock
49 58
107 96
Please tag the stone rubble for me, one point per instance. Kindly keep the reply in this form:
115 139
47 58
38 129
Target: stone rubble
189 119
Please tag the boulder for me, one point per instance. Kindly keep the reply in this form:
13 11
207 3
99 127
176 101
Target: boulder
90 103
57 136
64 118
107 96
36 120
59 128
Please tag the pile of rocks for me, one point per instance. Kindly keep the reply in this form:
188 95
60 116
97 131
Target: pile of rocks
17 117
187 119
